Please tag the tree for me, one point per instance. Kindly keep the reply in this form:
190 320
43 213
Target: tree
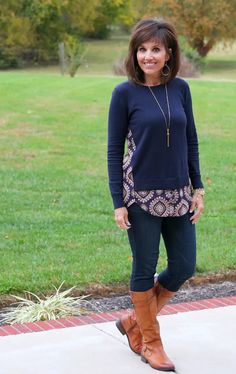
15 33
203 22
132 12
107 14
71 56
33 28
80 15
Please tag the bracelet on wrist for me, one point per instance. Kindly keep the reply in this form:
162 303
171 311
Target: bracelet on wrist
199 191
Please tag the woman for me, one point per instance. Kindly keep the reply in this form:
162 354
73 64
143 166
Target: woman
156 188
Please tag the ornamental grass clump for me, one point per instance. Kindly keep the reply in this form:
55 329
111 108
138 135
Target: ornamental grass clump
59 305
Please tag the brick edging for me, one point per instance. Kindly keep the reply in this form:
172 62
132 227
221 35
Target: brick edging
30 327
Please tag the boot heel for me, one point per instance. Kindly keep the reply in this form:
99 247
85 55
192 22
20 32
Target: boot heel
144 359
120 327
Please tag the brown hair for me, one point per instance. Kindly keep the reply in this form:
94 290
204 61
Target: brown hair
152 29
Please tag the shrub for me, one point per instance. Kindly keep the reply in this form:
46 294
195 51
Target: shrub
9 60
71 53
191 56
119 67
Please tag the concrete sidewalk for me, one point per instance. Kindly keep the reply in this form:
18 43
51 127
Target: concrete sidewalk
199 342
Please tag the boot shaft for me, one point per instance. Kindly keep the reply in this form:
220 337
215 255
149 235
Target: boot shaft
145 307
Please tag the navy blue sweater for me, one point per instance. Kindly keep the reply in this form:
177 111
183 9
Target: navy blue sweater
154 165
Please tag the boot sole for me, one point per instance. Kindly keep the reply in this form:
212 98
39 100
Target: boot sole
143 359
123 332
120 328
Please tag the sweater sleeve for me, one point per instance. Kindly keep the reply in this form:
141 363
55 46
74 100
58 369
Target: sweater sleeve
192 140
117 131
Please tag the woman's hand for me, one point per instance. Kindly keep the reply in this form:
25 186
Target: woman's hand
198 205
121 218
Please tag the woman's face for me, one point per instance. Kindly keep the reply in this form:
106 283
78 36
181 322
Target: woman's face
151 58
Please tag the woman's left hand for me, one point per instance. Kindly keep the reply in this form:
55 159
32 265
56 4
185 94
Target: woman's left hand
198 205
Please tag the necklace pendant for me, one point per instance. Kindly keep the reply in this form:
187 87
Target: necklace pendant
168 137
168 107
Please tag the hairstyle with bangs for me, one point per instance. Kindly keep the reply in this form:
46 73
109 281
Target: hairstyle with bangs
148 30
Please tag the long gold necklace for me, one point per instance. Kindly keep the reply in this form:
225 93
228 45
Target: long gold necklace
168 107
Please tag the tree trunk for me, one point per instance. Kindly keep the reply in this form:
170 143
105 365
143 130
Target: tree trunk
202 48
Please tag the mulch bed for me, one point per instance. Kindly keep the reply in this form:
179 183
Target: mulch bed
190 293
116 297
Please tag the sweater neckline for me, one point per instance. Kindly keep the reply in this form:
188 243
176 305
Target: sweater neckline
152 86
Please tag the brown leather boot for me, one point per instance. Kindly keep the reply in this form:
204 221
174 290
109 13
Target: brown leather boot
145 306
128 326
162 296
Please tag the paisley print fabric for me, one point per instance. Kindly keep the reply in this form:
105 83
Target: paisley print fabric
161 203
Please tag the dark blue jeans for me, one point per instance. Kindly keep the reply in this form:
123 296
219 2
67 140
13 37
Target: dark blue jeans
144 236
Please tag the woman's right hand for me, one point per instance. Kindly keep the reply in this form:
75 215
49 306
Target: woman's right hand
121 218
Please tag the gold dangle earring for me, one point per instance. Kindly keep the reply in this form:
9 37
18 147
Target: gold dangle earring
165 74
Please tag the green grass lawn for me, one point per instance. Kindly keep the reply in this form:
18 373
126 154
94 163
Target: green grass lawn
56 211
